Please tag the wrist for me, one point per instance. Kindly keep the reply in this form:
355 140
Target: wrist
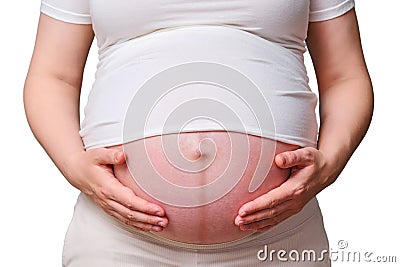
333 164
70 168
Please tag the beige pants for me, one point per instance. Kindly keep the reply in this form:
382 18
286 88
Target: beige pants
97 239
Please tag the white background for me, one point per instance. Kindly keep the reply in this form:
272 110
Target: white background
37 202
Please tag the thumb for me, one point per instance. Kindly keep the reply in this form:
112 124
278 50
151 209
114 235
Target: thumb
109 156
119 157
288 159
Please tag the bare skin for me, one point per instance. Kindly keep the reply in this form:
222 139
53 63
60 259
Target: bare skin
213 222
51 98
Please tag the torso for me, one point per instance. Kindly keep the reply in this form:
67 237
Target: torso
201 223
266 49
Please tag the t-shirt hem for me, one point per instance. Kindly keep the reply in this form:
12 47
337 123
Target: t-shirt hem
302 142
332 12
64 15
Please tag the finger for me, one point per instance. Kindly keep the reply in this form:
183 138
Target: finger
271 199
264 214
119 157
112 189
133 202
268 223
300 157
135 216
108 156
137 225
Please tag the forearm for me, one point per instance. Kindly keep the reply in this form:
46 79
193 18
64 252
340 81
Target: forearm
52 109
345 111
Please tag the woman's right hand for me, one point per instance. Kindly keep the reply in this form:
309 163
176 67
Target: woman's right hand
51 98
92 173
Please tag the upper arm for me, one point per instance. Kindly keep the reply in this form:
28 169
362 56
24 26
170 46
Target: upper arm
61 47
336 51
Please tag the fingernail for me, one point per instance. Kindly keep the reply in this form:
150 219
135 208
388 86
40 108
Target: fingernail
238 220
284 162
156 228
242 213
159 213
161 223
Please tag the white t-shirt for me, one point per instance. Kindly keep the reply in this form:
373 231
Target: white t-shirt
264 41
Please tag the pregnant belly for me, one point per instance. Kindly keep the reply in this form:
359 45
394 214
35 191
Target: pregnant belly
199 210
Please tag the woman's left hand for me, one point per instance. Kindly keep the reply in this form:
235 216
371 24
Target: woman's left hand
346 104
309 175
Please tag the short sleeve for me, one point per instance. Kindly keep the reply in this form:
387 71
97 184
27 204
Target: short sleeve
328 9
73 11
